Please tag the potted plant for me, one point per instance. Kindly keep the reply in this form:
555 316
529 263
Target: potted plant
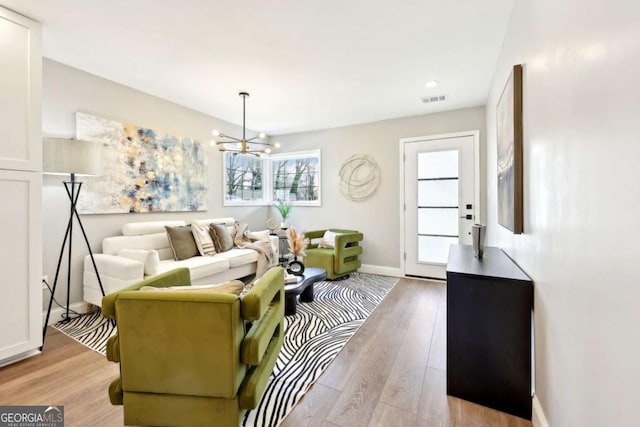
284 208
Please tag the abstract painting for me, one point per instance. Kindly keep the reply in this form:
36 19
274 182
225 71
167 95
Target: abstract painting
509 133
143 170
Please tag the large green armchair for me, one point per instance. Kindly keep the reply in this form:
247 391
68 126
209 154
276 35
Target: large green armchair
190 358
338 261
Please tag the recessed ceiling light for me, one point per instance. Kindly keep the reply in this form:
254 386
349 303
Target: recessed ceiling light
431 84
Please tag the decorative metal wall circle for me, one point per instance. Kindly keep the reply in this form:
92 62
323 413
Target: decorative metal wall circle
359 177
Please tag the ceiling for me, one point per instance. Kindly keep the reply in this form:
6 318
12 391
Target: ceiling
307 64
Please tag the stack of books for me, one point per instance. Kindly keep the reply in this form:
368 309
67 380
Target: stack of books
290 278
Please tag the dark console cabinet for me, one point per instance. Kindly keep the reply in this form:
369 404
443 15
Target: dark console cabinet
489 308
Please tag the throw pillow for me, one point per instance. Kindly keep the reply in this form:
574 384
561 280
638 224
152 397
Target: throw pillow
203 239
221 237
233 287
149 257
328 240
182 242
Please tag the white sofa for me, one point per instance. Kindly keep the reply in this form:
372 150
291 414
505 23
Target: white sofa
117 272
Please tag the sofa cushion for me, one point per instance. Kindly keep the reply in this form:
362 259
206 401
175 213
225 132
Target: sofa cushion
182 242
157 241
149 257
221 237
203 239
237 256
199 266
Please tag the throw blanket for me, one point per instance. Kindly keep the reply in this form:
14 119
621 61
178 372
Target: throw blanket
242 238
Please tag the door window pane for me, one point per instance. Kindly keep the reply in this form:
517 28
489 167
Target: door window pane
438 164
438 221
438 193
434 249
438 216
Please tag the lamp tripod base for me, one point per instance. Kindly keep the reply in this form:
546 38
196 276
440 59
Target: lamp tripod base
73 191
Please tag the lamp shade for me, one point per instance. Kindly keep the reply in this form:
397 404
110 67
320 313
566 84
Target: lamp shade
71 156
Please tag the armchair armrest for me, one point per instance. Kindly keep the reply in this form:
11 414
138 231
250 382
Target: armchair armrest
176 277
264 291
348 238
347 250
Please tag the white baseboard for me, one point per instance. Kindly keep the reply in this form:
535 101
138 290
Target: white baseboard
381 270
538 417
18 357
57 313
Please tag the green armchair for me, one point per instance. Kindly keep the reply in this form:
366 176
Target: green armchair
193 358
338 261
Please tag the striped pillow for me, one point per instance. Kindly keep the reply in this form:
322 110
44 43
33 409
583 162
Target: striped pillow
203 240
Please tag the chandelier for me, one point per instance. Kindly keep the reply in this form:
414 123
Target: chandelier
254 146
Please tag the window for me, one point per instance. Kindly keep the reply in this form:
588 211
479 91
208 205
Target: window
293 177
296 177
243 180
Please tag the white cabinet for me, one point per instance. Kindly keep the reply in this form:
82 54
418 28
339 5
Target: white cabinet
20 186
20 263
21 89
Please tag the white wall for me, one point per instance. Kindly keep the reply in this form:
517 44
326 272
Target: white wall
377 217
581 149
67 90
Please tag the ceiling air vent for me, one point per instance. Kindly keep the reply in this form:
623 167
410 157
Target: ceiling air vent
432 99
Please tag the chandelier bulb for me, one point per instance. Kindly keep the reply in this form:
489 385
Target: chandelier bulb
262 135
216 132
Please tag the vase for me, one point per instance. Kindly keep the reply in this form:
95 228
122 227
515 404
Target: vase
295 267
478 233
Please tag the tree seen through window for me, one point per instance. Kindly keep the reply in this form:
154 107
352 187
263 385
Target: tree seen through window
243 178
295 179
292 177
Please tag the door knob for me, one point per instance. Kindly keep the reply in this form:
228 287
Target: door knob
468 216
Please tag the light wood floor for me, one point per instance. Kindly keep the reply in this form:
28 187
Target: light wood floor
391 373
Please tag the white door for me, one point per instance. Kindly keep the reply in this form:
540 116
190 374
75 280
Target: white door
440 199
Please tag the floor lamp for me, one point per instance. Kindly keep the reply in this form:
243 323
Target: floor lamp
74 158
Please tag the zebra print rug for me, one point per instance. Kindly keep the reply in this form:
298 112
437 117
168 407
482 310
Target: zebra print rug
313 338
